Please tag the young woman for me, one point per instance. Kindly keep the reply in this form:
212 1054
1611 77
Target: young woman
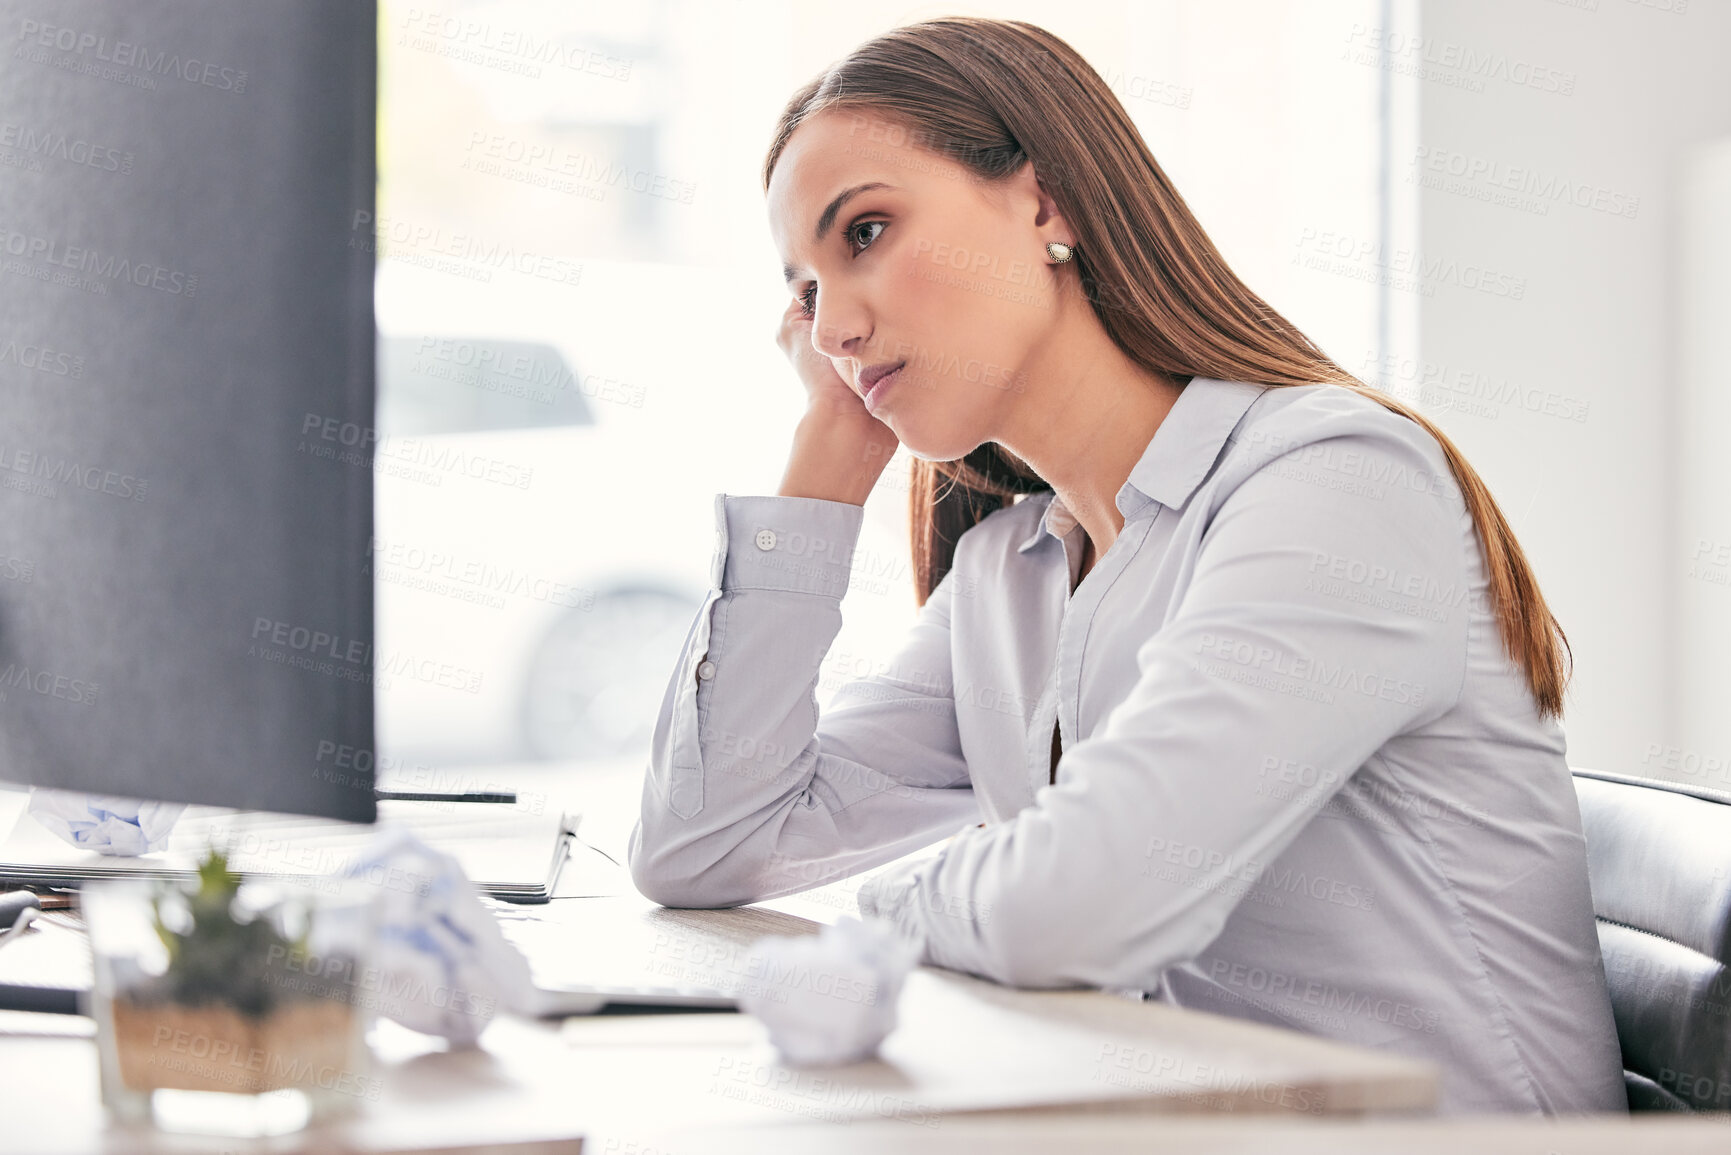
1252 687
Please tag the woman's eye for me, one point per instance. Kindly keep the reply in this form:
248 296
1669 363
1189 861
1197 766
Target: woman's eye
857 236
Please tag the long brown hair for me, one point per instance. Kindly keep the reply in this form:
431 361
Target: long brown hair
993 94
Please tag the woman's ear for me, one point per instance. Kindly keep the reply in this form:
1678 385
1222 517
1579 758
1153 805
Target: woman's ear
1030 193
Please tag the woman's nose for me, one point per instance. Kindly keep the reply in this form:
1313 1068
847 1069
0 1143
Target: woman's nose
835 332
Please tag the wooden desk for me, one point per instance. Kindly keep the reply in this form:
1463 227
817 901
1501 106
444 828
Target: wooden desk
962 1045
515 1096
972 1066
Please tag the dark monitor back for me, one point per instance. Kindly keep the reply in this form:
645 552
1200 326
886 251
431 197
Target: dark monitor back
186 400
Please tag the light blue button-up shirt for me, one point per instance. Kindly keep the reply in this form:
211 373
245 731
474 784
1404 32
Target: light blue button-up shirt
1302 782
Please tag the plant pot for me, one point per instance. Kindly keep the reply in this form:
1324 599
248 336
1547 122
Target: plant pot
257 1033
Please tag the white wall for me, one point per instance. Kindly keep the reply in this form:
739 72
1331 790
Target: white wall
1696 746
1580 320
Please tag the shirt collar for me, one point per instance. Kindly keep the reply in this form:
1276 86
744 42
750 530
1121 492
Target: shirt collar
1177 458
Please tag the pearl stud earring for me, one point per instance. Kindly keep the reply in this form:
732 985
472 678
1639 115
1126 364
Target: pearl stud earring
1059 252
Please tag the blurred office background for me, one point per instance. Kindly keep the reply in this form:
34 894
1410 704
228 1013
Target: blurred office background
1513 213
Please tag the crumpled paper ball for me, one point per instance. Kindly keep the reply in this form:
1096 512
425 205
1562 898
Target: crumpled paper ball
445 967
830 998
105 823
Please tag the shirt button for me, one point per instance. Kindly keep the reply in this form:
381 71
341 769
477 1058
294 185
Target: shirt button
706 669
766 539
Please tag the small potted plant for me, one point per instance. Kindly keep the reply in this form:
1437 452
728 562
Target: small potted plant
243 991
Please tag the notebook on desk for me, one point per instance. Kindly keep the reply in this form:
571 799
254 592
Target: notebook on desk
586 974
507 852
512 856
610 955
572 977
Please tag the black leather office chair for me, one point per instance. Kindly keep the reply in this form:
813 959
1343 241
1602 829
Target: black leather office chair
1659 855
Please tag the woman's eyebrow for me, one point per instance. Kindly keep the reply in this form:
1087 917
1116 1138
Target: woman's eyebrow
826 219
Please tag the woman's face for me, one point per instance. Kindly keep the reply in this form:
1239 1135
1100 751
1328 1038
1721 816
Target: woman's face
908 258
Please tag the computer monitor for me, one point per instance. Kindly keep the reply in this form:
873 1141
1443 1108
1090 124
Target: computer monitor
187 400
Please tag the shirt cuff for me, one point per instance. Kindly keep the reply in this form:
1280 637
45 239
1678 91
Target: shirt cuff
893 896
798 545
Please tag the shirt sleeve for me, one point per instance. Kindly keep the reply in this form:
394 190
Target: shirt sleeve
750 794
1133 861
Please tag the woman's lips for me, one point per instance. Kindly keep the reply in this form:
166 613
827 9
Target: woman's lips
875 391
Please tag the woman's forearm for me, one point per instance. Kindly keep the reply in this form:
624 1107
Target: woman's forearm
751 791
